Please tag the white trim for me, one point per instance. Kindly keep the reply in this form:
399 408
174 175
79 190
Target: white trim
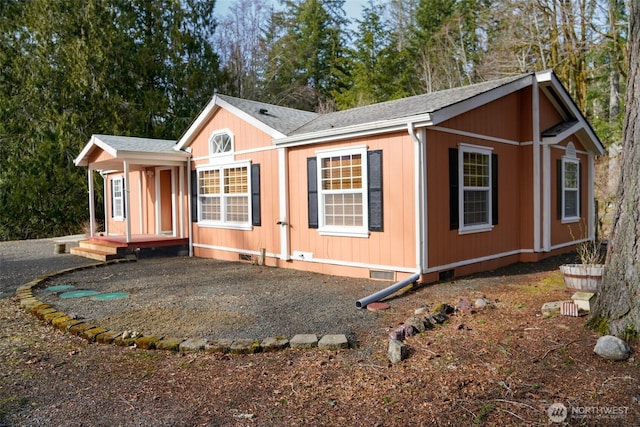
475 135
576 161
420 196
140 201
228 153
313 260
92 206
210 110
351 132
181 199
121 214
477 260
591 209
552 140
484 98
233 250
127 204
283 202
546 198
361 231
566 244
563 148
535 119
485 151
222 223
240 153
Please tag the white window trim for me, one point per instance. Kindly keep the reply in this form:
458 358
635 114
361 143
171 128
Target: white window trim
117 216
477 228
570 219
363 230
222 223
226 154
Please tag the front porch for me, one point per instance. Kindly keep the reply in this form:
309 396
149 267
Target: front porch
105 248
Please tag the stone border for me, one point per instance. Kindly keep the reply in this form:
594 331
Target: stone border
95 333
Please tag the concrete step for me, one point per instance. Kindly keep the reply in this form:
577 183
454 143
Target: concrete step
95 254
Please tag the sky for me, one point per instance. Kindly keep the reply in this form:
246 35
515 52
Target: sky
352 8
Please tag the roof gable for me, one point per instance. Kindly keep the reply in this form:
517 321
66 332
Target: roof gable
138 150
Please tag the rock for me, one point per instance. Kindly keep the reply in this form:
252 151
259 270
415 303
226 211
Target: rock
409 330
483 303
550 309
270 344
304 341
397 334
420 310
429 321
417 323
612 348
463 305
440 317
444 308
398 351
333 342
192 344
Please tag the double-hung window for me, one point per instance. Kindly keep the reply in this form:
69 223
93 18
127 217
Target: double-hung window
342 178
476 191
224 196
569 188
117 197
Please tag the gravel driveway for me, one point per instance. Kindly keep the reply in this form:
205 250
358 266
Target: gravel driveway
197 298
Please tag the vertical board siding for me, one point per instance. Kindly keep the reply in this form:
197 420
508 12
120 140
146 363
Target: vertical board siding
246 137
395 244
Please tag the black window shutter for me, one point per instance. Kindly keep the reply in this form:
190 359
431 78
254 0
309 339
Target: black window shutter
374 178
453 189
256 219
559 187
494 189
194 196
111 191
312 191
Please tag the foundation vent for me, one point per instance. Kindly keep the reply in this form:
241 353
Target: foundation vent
382 275
446 275
245 257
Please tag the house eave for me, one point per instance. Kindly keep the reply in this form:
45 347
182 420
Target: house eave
356 131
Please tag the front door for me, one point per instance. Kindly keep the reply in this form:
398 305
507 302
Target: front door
165 211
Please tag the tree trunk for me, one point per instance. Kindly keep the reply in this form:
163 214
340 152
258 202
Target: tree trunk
617 310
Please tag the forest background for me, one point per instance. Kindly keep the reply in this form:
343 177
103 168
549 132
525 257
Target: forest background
73 68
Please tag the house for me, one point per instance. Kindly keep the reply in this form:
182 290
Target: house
442 185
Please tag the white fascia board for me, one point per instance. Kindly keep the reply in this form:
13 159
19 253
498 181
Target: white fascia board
548 76
82 159
350 132
250 119
462 107
553 140
195 127
158 159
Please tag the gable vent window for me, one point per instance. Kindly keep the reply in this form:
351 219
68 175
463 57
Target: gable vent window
221 143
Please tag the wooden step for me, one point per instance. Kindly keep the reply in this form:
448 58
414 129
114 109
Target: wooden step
107 247
95 254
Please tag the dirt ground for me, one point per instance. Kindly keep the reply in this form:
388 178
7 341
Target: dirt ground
501 366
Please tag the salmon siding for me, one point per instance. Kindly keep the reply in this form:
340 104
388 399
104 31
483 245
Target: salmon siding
439 184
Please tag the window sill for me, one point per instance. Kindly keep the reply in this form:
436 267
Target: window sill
344 233
570 220
243 227
475 229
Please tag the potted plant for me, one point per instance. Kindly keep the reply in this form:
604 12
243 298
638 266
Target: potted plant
587 275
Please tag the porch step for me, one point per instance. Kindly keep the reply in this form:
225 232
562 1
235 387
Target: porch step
99 251
93 254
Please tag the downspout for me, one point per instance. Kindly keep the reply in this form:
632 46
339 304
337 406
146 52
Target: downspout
419 197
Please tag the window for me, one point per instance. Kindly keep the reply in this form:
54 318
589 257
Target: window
221 142
223 196
569 185
117 197
477 173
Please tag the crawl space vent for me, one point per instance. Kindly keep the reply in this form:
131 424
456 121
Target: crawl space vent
382 275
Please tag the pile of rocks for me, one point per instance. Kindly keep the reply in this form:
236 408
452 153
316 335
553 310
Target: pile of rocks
422 320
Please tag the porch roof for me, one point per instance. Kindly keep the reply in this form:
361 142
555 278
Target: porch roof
109 152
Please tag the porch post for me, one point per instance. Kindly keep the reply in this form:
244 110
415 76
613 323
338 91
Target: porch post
283 196
181 199
92 208
127 203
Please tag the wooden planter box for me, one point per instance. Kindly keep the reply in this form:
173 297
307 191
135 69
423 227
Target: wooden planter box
585 277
